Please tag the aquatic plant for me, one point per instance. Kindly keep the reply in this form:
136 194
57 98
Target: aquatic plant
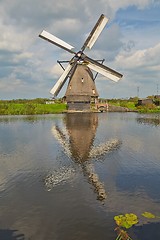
148 215
127 221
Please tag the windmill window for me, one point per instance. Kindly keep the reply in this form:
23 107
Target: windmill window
82 79
70 87
93 91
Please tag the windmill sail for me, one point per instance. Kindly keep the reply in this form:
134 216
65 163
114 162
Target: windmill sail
104 70
59 84
57 41
102 21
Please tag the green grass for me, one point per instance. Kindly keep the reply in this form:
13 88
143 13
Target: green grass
132 105
124 103
31 108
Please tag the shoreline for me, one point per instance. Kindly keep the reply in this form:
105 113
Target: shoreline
39 107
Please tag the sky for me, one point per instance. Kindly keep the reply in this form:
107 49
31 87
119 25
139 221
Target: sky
130 44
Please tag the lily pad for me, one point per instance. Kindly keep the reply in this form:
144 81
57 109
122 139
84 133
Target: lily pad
127 220
148 215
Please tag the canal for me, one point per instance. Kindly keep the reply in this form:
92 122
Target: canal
65 176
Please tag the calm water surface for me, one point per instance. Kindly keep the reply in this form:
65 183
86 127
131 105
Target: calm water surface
46 165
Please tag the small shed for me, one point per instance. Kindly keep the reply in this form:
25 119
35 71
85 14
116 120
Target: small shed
157 100
157 97
144 101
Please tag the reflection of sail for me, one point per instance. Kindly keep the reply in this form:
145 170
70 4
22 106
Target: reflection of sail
104 148
62 139
81 129
93 178
58 177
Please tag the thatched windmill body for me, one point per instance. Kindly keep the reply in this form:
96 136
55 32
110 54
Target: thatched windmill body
81 88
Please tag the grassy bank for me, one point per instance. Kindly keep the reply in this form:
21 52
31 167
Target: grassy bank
43 106
132 105
30 108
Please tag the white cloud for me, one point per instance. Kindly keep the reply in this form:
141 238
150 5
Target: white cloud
29 63
141 58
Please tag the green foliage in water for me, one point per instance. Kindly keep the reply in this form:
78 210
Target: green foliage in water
149 215
126 221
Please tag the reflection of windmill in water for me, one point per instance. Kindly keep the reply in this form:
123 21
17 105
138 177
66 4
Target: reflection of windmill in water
77 142
81 88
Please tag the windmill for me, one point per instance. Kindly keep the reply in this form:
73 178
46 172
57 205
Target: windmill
81 87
